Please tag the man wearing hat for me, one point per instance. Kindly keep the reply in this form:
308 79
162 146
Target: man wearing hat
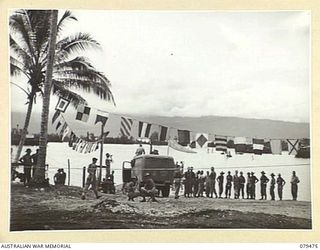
26 161
188 183
272 185
254 181
236 185
212 183
108 164
242 181
91 179
248 186
149 188
263 185
220 183
280 182
294 185
229 180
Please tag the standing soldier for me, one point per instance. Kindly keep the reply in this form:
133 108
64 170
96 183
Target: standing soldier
188 183
272 185
201 180
294 185
263 185
236 185
212 187
220 183
208 184
242 181
26 161
91 179
34 159
248 186
177 183
280 182
108 164
196 184
228 185
254 181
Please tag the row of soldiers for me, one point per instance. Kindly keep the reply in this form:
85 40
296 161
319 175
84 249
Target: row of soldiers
195 184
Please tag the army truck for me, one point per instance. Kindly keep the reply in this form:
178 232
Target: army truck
161 168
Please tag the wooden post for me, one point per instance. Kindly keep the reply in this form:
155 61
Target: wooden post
83 176
68 172
101 153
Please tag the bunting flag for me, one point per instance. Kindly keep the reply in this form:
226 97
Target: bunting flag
163 133
62 104
276 147
258 145
240 144
144 129
64 126
72 139
221 143
66 132
173 144
101 117
125 126
293 146
201 139
55 116
83 113
183 137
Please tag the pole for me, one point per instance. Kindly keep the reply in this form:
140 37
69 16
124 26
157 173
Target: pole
83 176
101 153
68 172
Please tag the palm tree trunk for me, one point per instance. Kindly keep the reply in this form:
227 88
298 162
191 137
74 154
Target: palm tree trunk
39 178
25 127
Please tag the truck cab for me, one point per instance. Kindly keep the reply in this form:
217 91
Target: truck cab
161 169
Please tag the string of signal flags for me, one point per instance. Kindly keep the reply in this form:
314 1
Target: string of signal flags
178 139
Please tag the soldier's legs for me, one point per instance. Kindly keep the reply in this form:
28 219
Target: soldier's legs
177 189
214 189
253 192
272 193
220 190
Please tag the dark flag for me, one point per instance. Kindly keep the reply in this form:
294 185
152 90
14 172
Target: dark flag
102 118
183 137
163 133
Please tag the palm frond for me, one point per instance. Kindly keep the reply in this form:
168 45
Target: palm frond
19 23
16 67
75 44
67 16
59 90
20 52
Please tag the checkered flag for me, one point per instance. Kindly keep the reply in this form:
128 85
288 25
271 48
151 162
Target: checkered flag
83 113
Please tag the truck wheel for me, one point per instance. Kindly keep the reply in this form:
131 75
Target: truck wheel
165 191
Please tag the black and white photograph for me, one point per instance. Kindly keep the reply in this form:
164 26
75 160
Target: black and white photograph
155 119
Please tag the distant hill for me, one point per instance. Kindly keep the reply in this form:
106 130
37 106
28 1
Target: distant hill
219 125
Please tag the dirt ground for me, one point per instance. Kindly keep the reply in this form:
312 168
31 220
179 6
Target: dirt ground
60 208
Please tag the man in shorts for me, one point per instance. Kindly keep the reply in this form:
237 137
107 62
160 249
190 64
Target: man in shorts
91 180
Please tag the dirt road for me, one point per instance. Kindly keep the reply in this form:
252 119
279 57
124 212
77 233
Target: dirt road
61 208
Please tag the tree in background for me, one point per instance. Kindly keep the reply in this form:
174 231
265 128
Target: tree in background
29 43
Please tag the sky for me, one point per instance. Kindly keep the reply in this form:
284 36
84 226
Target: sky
178 63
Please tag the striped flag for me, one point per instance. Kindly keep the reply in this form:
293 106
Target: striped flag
144 129
240 144
125 126
258 145
221 143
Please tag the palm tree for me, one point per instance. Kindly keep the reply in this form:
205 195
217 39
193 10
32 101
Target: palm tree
29 36
41 162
